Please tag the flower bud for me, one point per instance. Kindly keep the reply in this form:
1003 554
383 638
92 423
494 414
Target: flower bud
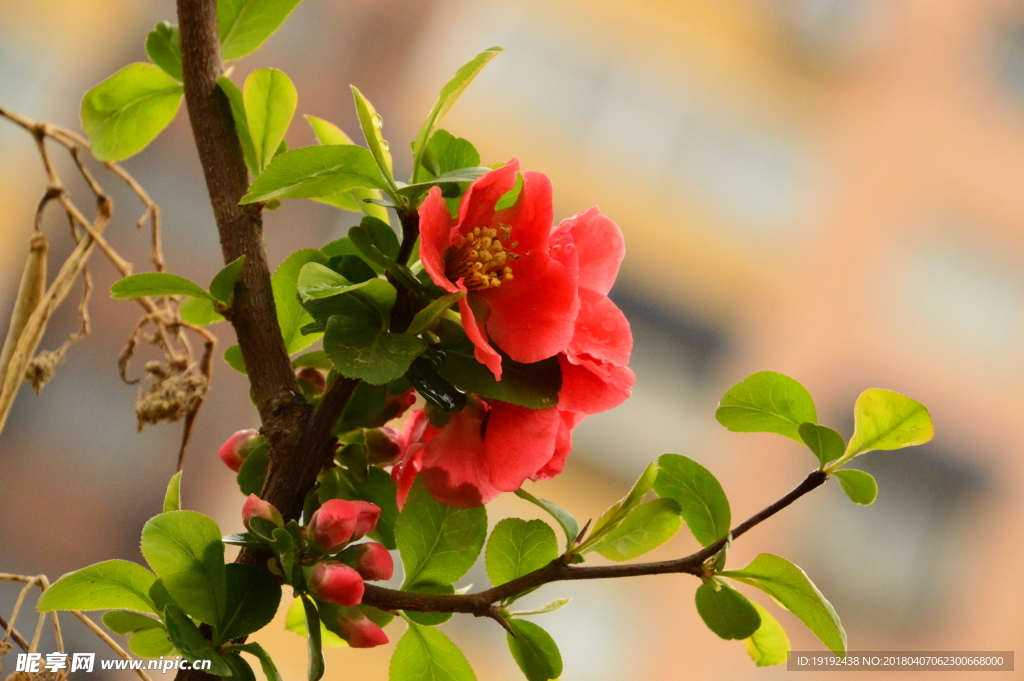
366 520
234 450
336 583
254 507
331 526
359 631
371 560
382 445
312 381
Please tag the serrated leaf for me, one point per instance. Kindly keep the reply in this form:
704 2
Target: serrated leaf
151 643
769 645
291 316
155 284
189 641
246 24
700 496
827 444
859 486
319 281
199 312
566 520
316 172
438 543
354 199
270 99
111 584
790 586
172 497
425 654
237 101
884 419
185 551
518 547
534 651
446 152
644 529
726 611
445 100
127 111
618 511
163 47
252 599
359 348
223 285
767 402
123 622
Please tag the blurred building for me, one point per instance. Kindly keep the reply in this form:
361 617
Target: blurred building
825 188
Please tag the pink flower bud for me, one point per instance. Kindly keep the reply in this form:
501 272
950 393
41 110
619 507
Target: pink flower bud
371 560
234 450
336 583
361 632
332 525
312 380
366 520
254 507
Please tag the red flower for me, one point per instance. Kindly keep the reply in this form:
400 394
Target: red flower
519 296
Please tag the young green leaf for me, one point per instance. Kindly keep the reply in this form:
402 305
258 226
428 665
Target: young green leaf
727 612
769 645
125 112
253 471
554 605
381 235
425 654
427 318
108 585
534 651
223 285
438 543
354 199
185 551
291 316
315 172
618 511
327 132
155 284
445 152
371 123
378 489
767 402
700 496
152 643
123 622
172 498
295 622
318 281
827 444
253 595
644 529
509 198
445 100
884 419
199 312
566 520
518 547
859 486
790 586
266 662
414 191
246 24
234 359
270 99
163 47
237 101
190 641
316 666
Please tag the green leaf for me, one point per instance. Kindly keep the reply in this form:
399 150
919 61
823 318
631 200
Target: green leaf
319 281
199 312
700 496
253 471
233 356
270 99
252 599
518 547
295 622
185 551
327 132
644 529
151 643
344 246
315 172
446 152
223 285
509 198
237 101
172 498
427 318
155 284
123 622
291 316
316 359
314 643
381 234
769 645
108 585
461 175
534 651
827 444
618 511
371 123
242 539
425 654
430 619
361 349
726 611
378 488
240 668
534 385
859 486
767 402
266 662
190 641
566 520
354 199
445 100
554 605
790 586
163 47
246 24
438 543
884 419
125 112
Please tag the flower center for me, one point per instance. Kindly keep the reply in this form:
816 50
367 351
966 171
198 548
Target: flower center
480 258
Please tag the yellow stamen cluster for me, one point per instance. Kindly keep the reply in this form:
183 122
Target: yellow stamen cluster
480 258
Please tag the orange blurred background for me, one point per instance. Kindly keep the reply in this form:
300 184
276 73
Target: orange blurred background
830 189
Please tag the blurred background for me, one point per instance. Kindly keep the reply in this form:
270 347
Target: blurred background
826 188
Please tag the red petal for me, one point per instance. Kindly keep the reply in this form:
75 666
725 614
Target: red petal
482 349
518 443
531 216
435 229
404 472
563 445
455 466
600 246
602 331
477 207
592 387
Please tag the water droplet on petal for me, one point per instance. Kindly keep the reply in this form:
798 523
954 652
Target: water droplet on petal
378 121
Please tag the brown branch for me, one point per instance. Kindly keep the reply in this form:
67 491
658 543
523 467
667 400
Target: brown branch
481 603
